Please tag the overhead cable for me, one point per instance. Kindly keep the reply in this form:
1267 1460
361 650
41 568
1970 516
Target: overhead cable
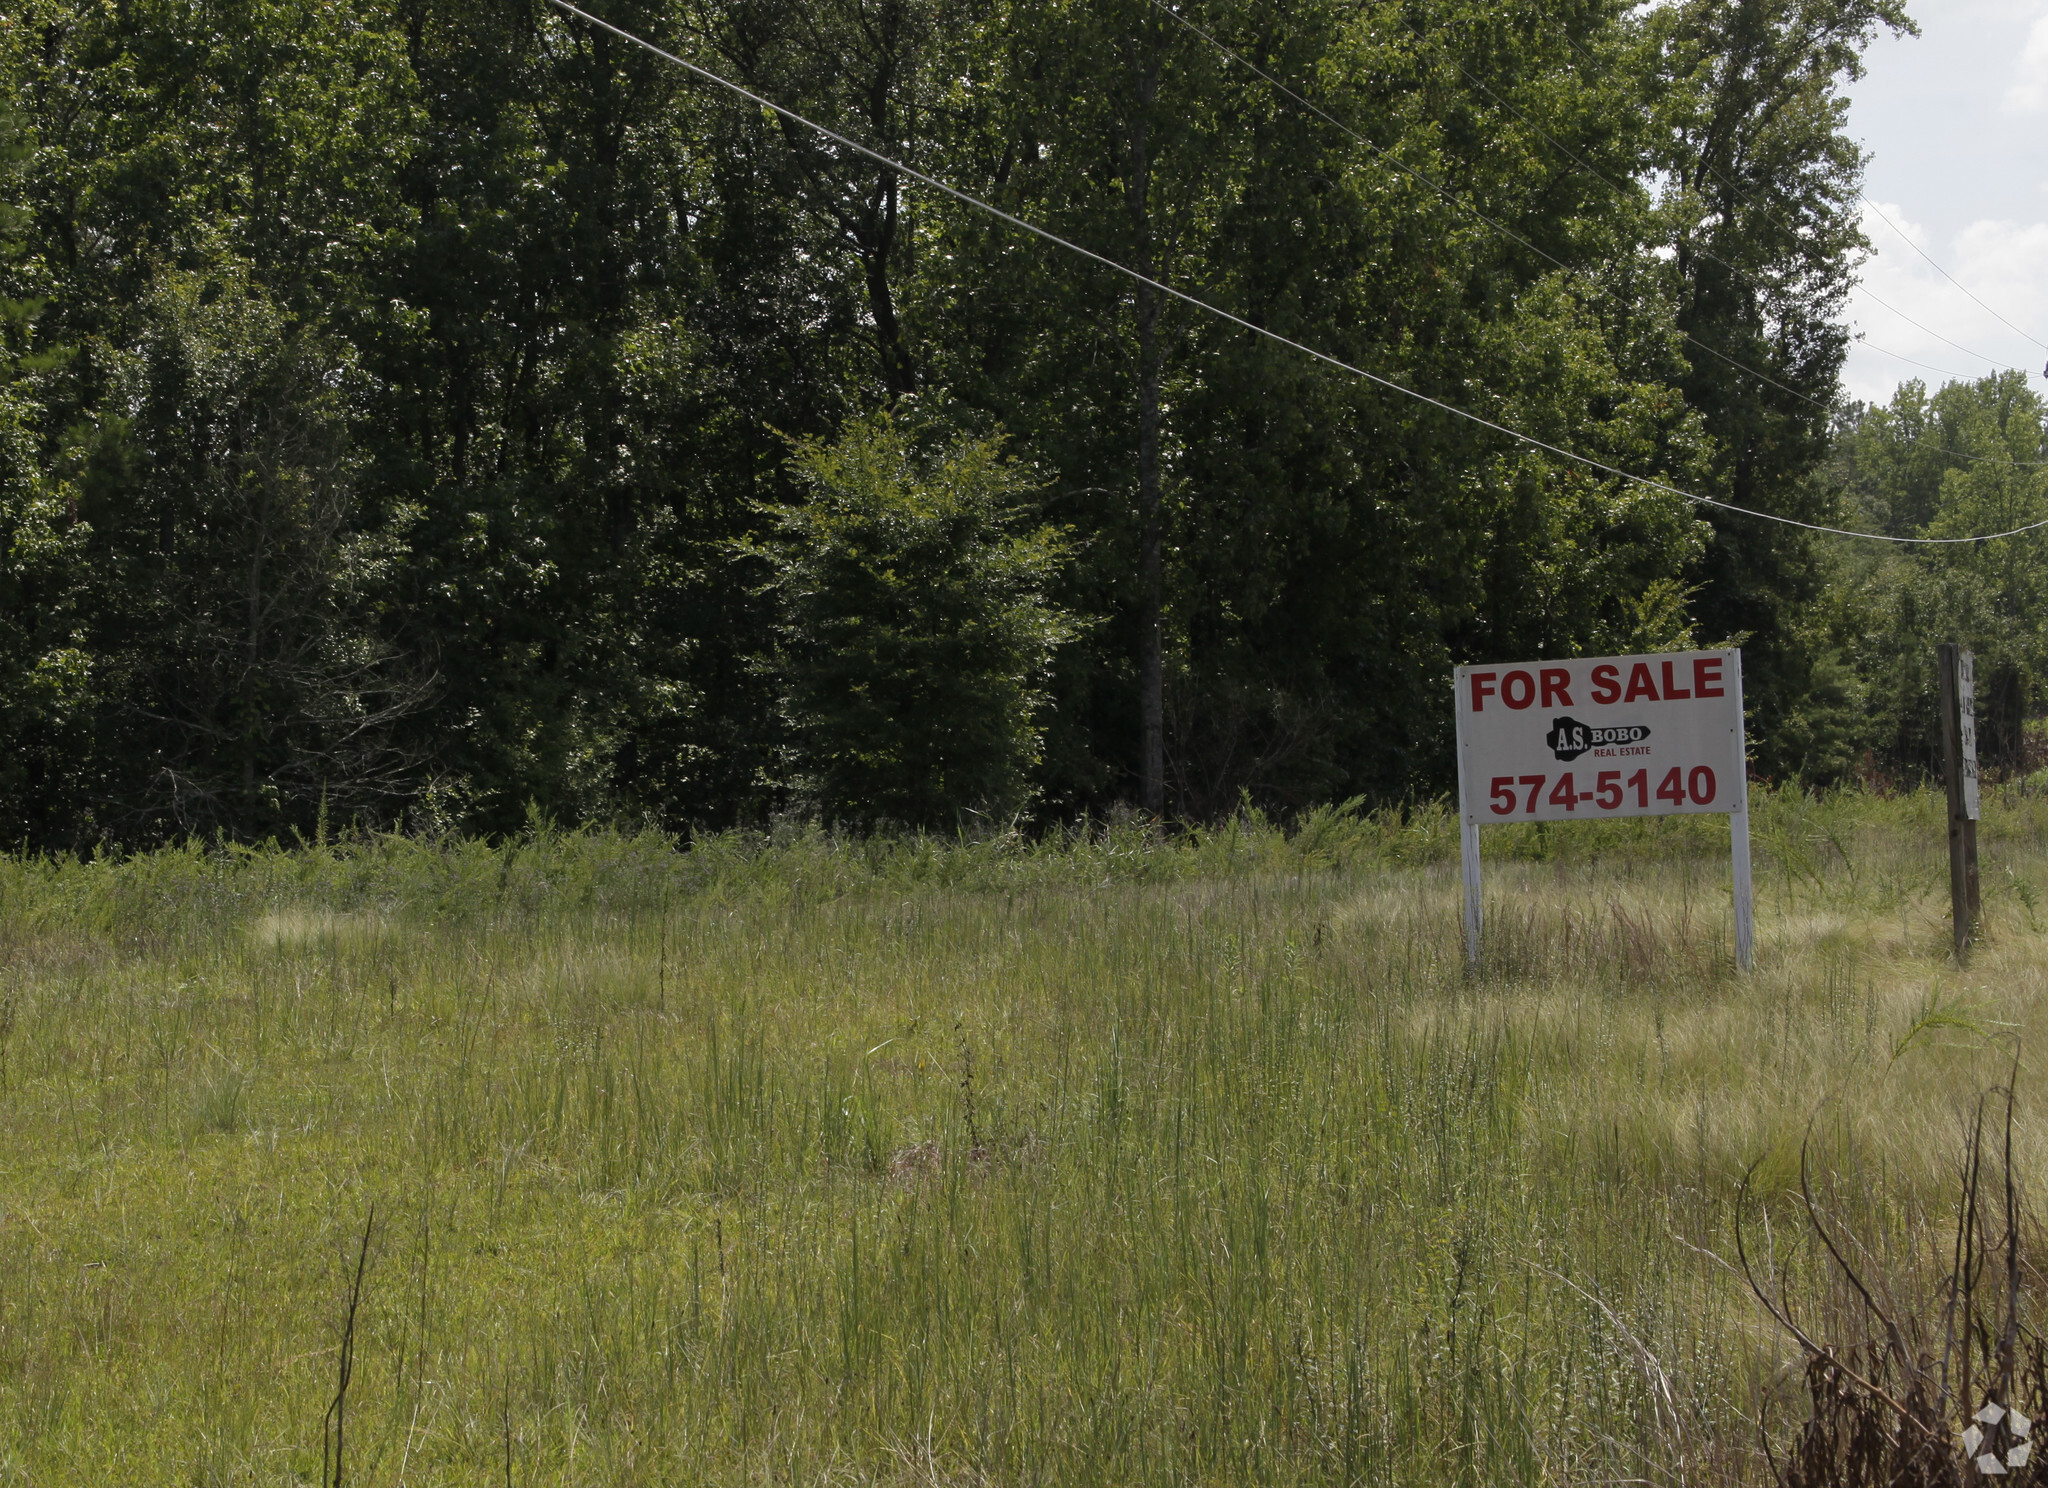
1945 273
1218 311
1929 366
1454 200
1869 294
1704 252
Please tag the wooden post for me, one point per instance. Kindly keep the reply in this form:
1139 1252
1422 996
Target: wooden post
1468 860
1959 778
1738 836
1468 850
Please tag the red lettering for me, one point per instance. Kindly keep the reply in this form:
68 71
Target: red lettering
1672 788
1482 689
1639 684
1507 689
1555 681
1606 684
1672 691
1704 670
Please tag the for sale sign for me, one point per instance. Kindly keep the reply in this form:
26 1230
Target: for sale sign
1601 736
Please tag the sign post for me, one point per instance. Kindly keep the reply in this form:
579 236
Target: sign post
1959 774
1595 737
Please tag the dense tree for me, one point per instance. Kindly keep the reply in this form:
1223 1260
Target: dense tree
1762 212
45 673
394 389
1971 458
1328 545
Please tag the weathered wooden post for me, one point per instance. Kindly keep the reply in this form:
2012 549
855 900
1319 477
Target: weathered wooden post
1959 776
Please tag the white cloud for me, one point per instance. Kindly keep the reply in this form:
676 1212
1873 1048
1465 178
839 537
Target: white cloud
2002 262
1916 323
1939 116
2029 92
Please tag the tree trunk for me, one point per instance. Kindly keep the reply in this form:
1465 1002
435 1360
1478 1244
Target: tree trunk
898 370
1151 566
1151 560
249 725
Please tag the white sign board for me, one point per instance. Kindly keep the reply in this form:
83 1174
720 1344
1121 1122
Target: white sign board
1966 700
1603 736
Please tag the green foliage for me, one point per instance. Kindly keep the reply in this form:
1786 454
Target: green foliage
532 309
238 628
1330 548
916 635
1763 213
1971 458
46 669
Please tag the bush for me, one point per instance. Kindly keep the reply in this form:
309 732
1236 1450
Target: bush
915 628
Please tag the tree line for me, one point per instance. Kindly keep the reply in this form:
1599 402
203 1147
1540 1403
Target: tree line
435 414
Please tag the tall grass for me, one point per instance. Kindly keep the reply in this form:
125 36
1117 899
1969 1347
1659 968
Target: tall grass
1101 1159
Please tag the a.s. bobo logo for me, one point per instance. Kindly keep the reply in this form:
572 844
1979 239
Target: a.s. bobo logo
1568 738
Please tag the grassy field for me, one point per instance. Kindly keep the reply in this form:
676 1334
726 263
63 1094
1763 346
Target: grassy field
1106 1161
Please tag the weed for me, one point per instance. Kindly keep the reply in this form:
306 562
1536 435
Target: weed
333 1438
217 1103
1915 1389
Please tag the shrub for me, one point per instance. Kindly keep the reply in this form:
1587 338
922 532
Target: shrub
915 627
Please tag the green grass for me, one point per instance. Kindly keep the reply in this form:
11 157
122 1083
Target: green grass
1105 1160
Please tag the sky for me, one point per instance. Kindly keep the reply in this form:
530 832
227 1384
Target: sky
1956 125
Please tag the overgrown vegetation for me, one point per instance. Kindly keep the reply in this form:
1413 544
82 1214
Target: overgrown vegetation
1112 1158
1916 1386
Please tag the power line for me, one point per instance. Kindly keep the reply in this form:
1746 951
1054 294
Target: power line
1258 330
1860 287
1869 294
1741 273
1509 233
1945 273
1929 366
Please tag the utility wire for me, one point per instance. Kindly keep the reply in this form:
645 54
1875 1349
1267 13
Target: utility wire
1454 200
1952 376
1869 294
1237 320
1945 273
1577 274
